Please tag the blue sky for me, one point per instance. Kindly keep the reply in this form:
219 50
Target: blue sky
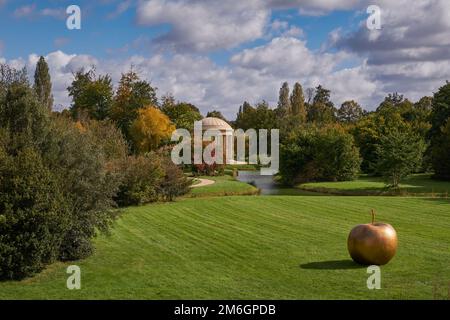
217 54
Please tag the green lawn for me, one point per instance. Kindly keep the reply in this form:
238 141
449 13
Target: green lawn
415 185
223 186
256 247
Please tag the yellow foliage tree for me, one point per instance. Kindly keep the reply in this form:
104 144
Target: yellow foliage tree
150 128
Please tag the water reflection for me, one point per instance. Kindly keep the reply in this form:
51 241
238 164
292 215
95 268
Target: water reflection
269 187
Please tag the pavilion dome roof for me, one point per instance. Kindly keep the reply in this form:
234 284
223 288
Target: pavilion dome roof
215 123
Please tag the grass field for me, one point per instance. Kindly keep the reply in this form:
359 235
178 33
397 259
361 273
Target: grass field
415 185
223 186
256 247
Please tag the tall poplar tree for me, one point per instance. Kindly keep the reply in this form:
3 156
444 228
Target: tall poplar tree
284 104
43 83
298 102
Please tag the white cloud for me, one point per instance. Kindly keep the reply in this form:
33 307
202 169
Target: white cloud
285 57
201 26
24 11
57 13
252 75
411 53
30 11
205 26
314 7
282 28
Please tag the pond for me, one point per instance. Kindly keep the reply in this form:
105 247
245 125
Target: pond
268 186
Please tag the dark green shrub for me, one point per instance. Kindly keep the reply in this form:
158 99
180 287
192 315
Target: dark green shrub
33 214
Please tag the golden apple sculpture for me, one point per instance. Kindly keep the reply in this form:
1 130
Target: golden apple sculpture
372 243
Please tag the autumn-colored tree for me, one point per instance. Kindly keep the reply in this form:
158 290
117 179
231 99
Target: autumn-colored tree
150 129
132 95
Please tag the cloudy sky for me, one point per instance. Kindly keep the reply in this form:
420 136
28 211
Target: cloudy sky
218 53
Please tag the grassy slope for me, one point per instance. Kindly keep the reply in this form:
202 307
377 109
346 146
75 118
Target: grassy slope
223 186
418 184
256 247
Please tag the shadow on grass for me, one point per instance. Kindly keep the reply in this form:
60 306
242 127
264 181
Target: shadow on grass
332 265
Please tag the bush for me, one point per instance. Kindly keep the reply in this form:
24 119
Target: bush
174 183
33 214
313 154
204 169
141 177
59 180
85 180
51 160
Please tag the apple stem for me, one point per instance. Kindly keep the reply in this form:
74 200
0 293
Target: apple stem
373 216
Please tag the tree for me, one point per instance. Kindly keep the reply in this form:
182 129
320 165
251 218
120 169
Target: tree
369 130
25 119
150 129
259 117
174 182
310 93
167 101
216 114
92 96
132 95
57 181
245 116
322 109
43 84
349 112
419 116
393 99
182 114
297 101
440 116
33 214
9 76
441 153
264 117
313 154
399 154
141 178
87 181
284 104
